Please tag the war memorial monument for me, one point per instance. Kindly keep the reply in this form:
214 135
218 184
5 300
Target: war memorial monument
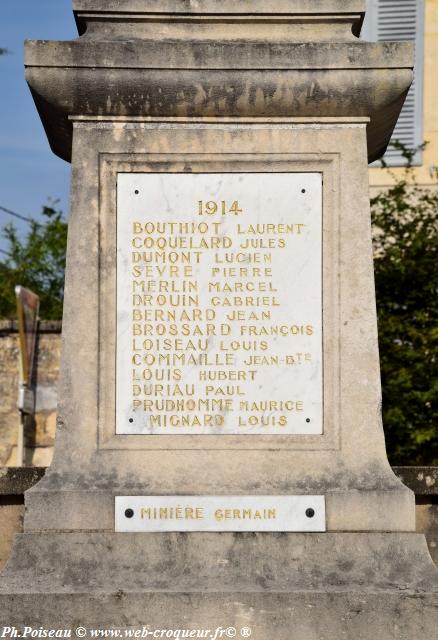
220 458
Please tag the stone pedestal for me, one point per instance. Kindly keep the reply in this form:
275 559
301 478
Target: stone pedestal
178 87
285 586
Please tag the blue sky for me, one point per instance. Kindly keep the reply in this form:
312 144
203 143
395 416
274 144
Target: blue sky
29 172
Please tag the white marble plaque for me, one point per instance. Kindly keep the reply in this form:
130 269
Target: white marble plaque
219 303
219 513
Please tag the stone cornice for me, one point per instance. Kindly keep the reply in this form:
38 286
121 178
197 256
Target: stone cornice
255 55
226 67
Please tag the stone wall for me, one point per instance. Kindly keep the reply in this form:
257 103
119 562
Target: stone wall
13 484
39 433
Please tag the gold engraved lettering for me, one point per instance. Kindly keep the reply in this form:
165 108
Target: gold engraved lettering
245 514
241 272
248 301
183 420
277 330
172 513
211 207
240 287
270 229
262 421
209 325
227 375
269 406
248 316
255 258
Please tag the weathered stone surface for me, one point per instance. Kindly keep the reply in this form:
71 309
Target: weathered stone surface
280 562
272 105
225 7
136 59
299 616
14 481
289 19
91 464
9 418
11 521
427 521
39 434
45 429
311 586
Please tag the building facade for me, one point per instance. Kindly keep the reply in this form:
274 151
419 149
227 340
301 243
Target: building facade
414 20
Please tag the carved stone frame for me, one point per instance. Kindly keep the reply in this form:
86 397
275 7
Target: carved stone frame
109 166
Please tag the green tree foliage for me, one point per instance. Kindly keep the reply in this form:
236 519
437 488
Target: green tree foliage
405 229
37 262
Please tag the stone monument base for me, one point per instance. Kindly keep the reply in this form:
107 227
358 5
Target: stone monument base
282 586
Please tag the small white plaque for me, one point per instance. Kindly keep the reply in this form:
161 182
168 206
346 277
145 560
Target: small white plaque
219 513
219 303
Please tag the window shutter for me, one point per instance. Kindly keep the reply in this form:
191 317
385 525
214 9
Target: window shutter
402 20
